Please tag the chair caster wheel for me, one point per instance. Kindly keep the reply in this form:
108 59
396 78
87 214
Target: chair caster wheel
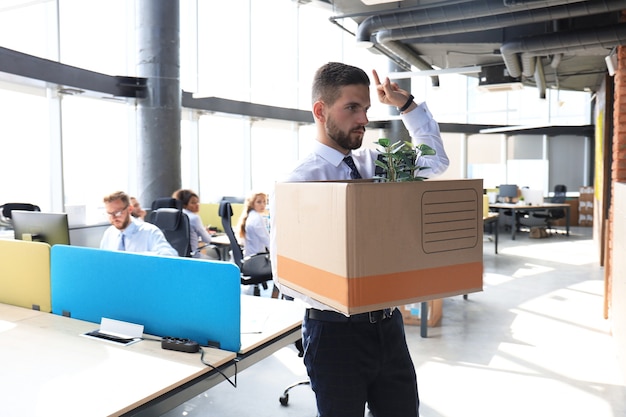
284 399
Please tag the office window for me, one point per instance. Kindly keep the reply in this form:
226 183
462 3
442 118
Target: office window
223 49
25 143
101 44
272 144
273 54
24 27
96 150
222 155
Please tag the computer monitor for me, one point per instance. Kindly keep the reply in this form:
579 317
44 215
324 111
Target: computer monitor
507 192
532 197
51 228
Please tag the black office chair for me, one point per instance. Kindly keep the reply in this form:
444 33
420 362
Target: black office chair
226 213
552 215
233 199
166 213
175 226
7 208
166 202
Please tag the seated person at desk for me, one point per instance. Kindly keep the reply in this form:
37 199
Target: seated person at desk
191 207
138 211
129 234
252 225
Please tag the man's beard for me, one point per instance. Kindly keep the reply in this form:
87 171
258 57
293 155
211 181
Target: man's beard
345 139
124 224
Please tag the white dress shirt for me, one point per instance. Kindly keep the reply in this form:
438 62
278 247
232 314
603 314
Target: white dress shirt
139 236
325 163
257 236
196 231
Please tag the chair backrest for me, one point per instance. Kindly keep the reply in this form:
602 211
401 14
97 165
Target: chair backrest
233 199
167 202
560 193
175 226
7 208
163 202
226 212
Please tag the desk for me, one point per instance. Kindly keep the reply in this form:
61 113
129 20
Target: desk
267 325
48 369
222 242
521 207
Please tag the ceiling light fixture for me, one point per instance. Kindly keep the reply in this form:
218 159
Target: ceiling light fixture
611 62
429 73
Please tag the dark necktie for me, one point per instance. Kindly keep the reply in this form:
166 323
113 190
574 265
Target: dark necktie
354 173
122 244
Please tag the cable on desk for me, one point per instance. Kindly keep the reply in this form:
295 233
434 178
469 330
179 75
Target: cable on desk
234 384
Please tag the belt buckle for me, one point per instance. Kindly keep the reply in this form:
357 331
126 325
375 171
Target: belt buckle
376 316
379 315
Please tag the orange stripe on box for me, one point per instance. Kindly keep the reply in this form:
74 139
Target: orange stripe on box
375 289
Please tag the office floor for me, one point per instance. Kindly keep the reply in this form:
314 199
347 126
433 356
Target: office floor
532 343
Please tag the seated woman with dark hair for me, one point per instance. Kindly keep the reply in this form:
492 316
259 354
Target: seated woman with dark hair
191 207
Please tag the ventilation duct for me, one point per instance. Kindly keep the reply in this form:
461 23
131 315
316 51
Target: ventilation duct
560 42
443 14
498 21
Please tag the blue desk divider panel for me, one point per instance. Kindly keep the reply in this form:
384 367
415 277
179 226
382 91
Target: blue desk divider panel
25 274
177 297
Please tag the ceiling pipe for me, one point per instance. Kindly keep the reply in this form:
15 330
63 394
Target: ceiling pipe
556 60
409 56
540 79
442 14
554 43
475 24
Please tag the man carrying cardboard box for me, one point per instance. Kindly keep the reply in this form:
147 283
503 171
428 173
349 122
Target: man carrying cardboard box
361 358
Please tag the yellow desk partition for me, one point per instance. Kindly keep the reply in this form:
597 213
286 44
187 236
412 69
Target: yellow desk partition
25 274
210 216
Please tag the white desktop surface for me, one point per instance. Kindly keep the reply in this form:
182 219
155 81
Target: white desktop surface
263 319
48 369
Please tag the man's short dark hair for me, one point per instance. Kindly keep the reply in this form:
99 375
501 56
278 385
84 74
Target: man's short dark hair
330 77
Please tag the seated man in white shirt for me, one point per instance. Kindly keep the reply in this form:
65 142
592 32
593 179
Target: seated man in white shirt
129 234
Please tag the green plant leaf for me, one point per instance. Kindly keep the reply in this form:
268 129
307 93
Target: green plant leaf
398 160
384 142
426 150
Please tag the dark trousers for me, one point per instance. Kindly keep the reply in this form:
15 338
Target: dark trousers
354 363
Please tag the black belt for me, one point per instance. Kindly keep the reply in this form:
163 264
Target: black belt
333 316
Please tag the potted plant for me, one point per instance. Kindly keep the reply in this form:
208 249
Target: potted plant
398 160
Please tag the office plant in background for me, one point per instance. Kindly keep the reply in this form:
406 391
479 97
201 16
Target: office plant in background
397 160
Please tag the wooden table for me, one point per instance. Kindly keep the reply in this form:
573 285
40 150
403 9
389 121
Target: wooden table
541 207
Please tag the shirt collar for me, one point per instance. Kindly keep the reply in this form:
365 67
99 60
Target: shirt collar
331 155
131 228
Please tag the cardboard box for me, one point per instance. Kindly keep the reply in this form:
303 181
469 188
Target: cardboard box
411 313
359 245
